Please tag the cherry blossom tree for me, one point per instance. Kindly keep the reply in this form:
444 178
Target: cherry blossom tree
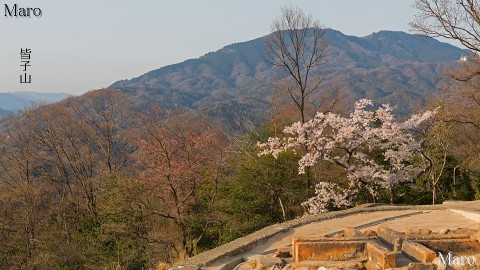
373 148
182 161
327 195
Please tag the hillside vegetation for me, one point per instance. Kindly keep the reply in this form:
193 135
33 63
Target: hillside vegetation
388 67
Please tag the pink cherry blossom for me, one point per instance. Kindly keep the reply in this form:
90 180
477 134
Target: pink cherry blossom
350 143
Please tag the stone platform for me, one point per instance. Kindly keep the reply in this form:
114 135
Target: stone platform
364 219
376 250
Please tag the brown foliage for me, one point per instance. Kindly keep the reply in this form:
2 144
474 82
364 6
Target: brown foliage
51 167
180 157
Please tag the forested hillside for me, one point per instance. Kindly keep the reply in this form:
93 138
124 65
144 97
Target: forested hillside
388 67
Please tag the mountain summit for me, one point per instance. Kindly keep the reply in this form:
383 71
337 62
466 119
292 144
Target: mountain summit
387 66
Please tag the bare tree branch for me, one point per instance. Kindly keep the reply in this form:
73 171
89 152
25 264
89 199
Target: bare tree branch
297 46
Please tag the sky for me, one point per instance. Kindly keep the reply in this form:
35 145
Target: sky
78 46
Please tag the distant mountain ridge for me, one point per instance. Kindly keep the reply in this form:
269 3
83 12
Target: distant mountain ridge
386 66
14 101
3 112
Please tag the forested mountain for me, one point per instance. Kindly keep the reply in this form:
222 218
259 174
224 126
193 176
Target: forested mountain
388 67
14 101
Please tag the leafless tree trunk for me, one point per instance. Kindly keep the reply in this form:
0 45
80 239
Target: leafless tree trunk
297 46
436 151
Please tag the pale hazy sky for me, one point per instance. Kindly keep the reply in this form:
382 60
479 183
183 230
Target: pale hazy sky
79 46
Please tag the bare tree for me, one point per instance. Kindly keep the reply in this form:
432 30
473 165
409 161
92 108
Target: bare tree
297 46
182 160
459 105
459 114
452 19
24 197
105 115
436 151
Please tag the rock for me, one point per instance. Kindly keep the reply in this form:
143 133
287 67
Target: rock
242 266
417 232
463 231
283 253
440 265
476 235
370 233
264 262
417 266
351 232
443 231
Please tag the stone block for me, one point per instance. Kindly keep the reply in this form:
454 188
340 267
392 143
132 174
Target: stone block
417 232
415 266
329 265
351 232
436 237
421 266
380 256
461 246
392 237
463 231
297 241
418 251
328 250
370 233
